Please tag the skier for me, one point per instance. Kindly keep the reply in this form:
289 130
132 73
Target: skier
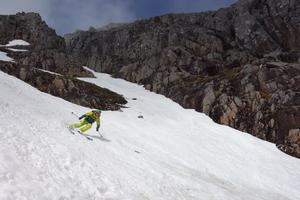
87 122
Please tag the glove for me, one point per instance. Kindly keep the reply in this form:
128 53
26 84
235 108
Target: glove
98 126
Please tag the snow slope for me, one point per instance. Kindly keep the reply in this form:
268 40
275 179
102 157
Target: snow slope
172 153
4 57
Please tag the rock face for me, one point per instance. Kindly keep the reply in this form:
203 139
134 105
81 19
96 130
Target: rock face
47 51
239 65
70 89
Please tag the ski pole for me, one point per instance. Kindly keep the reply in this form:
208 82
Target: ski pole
75 114
100 134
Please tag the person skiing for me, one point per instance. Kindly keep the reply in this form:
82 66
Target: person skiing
88 119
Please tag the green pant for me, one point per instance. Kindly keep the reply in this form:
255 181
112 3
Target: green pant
83 124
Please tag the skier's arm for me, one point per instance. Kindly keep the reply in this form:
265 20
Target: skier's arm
85 115
98 124
82 116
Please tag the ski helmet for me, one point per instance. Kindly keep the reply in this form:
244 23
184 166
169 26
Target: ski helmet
97 110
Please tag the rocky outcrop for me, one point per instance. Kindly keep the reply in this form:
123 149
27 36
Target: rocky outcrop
239 64
70 89
47 51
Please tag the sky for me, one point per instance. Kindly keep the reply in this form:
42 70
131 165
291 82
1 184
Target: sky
67 16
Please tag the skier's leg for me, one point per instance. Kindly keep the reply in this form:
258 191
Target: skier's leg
77 125
86 127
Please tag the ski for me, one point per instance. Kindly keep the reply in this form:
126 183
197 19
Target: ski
100 134
73 131
87 137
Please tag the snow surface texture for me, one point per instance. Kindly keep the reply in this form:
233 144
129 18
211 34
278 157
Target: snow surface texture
169 154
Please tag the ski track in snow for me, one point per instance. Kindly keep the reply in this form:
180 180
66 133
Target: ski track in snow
183 154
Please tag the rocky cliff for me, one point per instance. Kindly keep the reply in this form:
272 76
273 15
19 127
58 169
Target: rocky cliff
239 65
47 52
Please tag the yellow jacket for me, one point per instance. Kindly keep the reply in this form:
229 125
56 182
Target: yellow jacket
91 117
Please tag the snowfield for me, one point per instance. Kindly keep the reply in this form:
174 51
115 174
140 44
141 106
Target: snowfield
16 42
4 57
170 154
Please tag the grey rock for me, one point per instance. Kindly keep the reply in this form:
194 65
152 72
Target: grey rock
47 51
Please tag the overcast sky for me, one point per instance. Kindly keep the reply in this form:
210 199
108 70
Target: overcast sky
69 15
